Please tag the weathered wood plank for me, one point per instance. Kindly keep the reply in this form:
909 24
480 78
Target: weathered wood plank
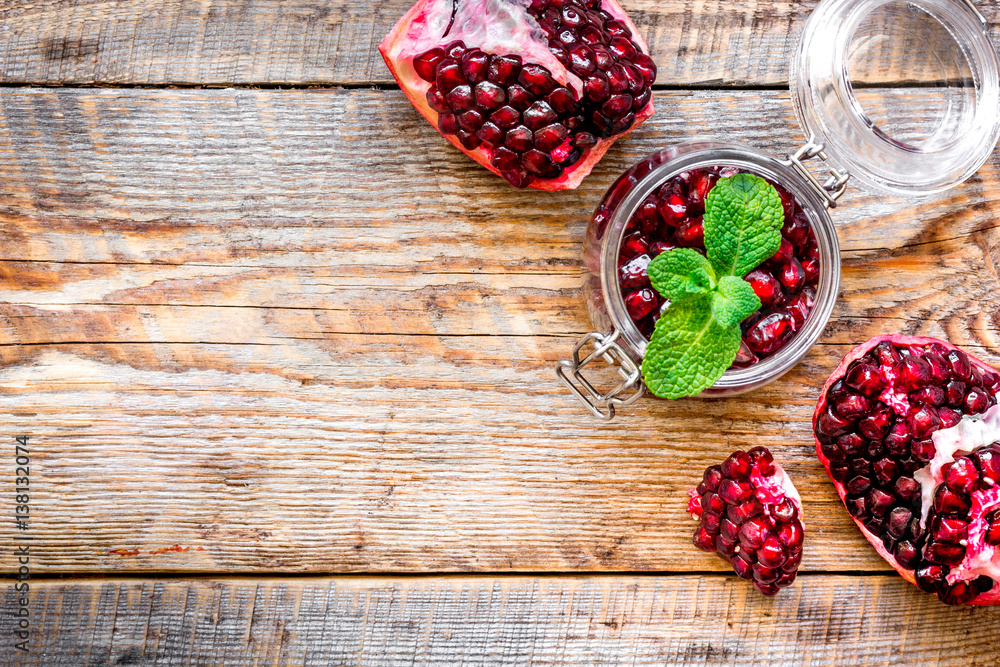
684 620
302 42
221 336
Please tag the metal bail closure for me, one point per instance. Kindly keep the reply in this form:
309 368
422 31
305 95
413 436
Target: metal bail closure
608 349
836 183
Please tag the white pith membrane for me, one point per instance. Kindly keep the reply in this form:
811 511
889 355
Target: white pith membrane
971 433
773 489
510 23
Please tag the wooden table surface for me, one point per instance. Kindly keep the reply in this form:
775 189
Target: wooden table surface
285 359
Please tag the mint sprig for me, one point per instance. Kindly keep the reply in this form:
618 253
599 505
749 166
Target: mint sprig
697 337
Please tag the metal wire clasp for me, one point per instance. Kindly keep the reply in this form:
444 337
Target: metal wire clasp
608 349
836 183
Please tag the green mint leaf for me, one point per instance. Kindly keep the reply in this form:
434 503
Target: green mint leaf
689 350
743 218
681 274
733 301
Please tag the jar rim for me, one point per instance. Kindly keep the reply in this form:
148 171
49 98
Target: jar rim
702 153
830 113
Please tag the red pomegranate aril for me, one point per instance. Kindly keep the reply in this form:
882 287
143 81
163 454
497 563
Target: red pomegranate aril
426 63
770 333
961 475
634 273
960 364
467 139
447 122
712 477
853 406
713 503
907 488
737 466
922 421
641 303
797 230
690 233
949 529
988 462
753 533
947 501
851 443
886 471
878 501
976 401
550 137
992 536
504 159
742 567
906 553
734 492
765 286
704 540
922 450
858 485
743 511
784 254
866 379
944 553
792 276
833 425
519 139
899 521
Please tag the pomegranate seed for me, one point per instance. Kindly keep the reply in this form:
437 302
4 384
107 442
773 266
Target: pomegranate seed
770 333
634 273
784 254
673 208
961 367
737 466
742 567
519 98
763 459
832 425
771 554
792 276
923 450
944 553
704 540
851 443
504 70
976 401
691 233
907 554
907 488
930 395
961 475
886 471
725 547
962 592
949 529
899 521
519 139
550 137
742 512
641 303
734 492
988 462
853 406
753 533
858 485
923 420
712 477
713 503
879 501
797 230
875 426
947 501
992 536
765 286
790 534
866 379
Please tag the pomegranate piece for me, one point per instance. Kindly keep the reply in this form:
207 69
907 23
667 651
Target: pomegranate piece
761 534
915 423
671 217
566 78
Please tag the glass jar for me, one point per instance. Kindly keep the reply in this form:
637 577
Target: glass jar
851 96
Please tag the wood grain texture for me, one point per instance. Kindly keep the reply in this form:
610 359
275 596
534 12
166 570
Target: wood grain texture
449 621
333 42
221 335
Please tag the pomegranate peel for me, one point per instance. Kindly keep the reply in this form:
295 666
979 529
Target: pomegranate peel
563 78
907 427
750 514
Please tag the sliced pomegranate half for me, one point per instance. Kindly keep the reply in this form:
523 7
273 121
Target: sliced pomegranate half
534 90
750 514
908 429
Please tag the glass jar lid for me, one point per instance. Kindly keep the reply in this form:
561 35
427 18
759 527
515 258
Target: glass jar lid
902 94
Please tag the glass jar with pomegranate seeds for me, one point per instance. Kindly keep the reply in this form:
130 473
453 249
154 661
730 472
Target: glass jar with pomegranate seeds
864 120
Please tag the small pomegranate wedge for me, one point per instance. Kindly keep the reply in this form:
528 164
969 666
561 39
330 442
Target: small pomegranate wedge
909 431
534 90
750 514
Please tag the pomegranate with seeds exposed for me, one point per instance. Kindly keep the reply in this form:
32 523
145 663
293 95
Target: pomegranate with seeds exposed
534 90
908 428
750 514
